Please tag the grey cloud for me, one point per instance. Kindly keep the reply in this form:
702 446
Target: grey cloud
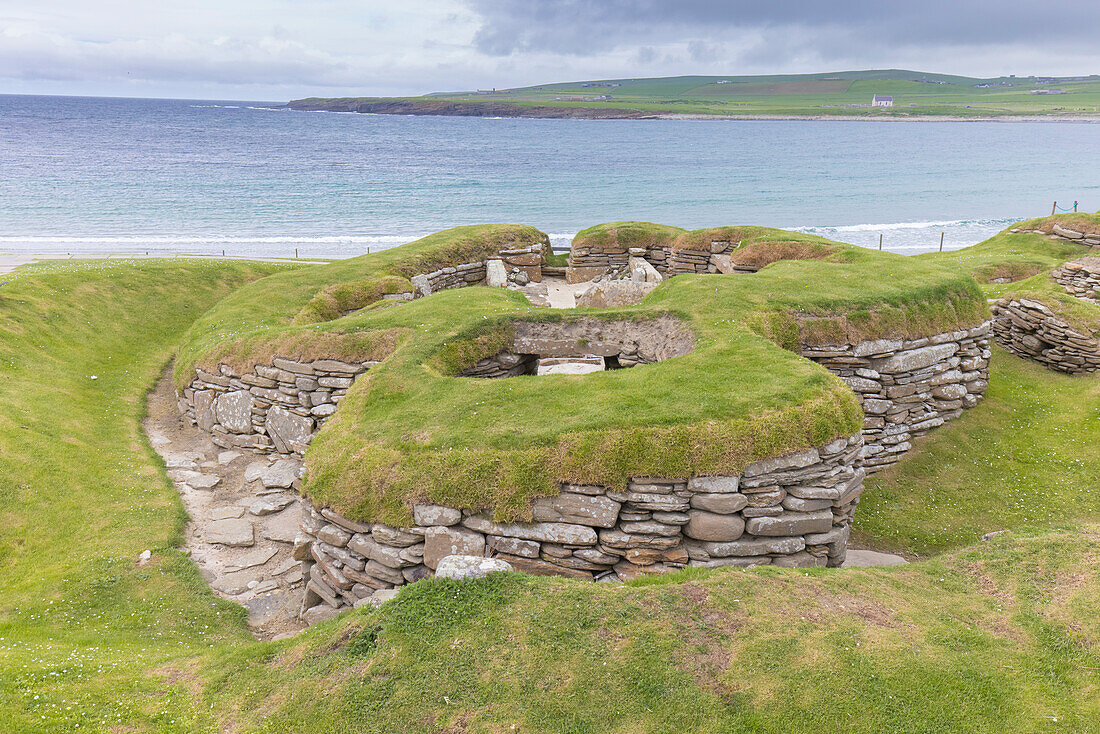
589 27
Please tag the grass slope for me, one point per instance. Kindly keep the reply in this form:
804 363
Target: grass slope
841 94
81 495
1003 637
1000 638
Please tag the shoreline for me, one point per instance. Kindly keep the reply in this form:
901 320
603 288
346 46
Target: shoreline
459 108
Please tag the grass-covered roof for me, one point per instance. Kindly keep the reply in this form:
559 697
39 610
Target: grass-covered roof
410 430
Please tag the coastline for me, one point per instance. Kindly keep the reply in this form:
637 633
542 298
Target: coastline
457 108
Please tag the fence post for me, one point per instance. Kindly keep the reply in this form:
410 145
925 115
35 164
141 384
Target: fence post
1075 207
941 241
1053 207
880 240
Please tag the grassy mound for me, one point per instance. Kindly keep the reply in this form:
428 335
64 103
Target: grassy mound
1009 254
1082 222
624 235
998 638
410 431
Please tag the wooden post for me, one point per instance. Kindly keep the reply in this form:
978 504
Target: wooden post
880 240
941 241
1075 207
1053 207
295 253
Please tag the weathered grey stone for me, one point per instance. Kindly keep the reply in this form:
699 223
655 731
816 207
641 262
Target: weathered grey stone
611 293
334 536
443 541
289 432
395 536
796 460
791 523
749 546
234 532
429 515
722 504
916 359
549 532
205 413
281 474
469 567
513 546
368 547
580 509
715 485
234 411
495 274
271 504
710 526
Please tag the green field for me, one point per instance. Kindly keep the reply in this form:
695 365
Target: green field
841 94
996 637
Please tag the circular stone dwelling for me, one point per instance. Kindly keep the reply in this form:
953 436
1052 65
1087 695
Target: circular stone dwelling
715 398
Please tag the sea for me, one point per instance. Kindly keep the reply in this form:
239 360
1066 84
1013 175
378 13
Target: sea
98 176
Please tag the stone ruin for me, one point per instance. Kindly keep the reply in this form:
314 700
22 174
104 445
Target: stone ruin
791 510
1029 328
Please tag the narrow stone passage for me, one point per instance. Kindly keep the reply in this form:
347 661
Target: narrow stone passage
245 512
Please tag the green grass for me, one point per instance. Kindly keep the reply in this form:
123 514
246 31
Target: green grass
841 94
1009 254
1001 637
409 432
1025 458
82 628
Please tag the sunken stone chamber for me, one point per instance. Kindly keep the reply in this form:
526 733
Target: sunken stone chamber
619 343
793 510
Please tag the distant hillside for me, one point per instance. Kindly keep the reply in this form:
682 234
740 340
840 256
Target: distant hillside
832 94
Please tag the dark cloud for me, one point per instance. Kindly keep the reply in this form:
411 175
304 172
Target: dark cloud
591 27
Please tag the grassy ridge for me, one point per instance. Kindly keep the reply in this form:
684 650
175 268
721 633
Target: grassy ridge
841 94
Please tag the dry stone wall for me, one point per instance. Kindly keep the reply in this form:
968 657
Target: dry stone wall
276 407
1080 278
1029 329
520 266
908 387
793 510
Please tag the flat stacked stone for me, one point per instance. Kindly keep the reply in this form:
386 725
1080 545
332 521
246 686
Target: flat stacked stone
792 510
1029 329
1080 278
908 387
1072 235
276 407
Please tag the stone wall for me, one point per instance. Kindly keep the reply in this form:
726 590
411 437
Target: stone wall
1059 232
908 387
520 266
1080 278
1029 329
276 407
793 510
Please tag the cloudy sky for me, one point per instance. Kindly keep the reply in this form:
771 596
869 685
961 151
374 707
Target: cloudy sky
279 49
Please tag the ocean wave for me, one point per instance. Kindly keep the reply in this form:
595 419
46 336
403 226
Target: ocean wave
952 223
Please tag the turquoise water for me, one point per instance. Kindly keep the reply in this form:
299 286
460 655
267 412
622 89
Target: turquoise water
98 175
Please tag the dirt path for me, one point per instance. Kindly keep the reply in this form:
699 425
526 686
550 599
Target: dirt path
244 511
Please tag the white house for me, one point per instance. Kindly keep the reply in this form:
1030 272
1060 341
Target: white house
880 101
